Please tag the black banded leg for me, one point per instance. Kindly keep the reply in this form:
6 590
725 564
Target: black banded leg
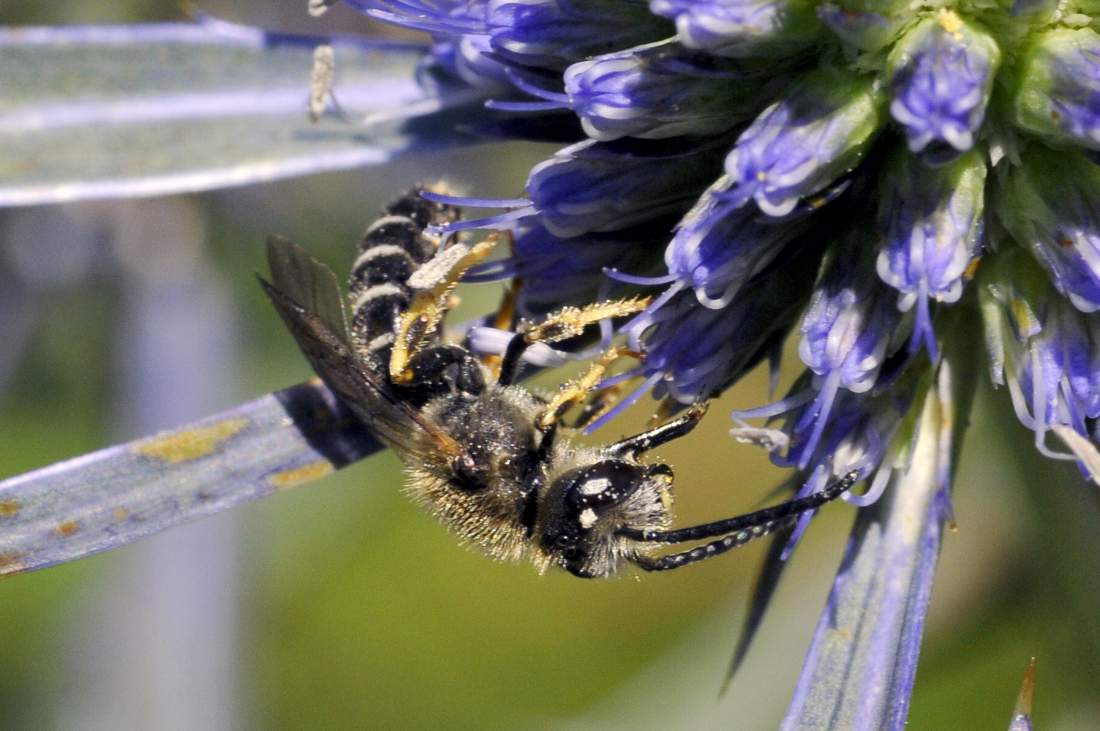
509 363
659 435
774 514
447 369
714 548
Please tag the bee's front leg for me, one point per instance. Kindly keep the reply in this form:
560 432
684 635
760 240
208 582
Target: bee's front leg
660 434
575 390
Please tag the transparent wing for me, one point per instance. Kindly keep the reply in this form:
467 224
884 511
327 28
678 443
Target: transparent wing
366 394
308 282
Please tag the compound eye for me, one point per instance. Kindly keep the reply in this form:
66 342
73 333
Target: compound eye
468 474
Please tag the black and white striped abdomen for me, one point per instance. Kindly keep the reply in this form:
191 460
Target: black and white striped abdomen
392 248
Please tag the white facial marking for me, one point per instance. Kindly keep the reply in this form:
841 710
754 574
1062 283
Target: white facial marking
588 518
595 487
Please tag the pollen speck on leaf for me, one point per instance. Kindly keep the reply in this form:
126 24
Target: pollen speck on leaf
8 508
68 528
10 563
298 475
192 444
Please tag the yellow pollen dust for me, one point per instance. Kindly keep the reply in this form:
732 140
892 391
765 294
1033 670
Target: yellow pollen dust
10 563
68 528
193 443
298 475
1022 314
950 21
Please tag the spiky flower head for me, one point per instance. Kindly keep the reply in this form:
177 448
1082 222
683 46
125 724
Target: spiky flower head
833 172
876 151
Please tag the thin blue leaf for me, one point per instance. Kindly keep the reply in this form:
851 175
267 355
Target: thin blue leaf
117 495
113 111
860 668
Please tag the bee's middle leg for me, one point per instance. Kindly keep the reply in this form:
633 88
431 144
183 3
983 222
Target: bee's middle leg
568 322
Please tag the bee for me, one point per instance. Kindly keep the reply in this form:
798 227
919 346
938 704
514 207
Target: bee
485 455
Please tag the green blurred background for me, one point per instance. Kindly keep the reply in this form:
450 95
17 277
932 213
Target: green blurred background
340 605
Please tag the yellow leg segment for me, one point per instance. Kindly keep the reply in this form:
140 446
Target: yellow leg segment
436 282
603 401
569 322
504 320
574 391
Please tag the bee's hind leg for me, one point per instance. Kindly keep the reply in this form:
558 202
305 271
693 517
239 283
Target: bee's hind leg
433 283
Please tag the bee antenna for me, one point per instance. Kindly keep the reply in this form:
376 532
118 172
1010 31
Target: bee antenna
714 548
738 530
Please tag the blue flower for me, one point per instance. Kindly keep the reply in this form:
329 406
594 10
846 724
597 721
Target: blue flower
1046 351
1058 89
694 350
1050 205
595 187
859 141
554 33
720 245
849 322
942 74
932 220
801 144
742 28
661 90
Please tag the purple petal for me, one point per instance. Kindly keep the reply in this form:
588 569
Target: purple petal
595 187
742 28
942 75
850 322
801 144
933 223
660 90
1049 204
554 33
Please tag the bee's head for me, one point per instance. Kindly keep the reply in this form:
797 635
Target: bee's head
584 508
